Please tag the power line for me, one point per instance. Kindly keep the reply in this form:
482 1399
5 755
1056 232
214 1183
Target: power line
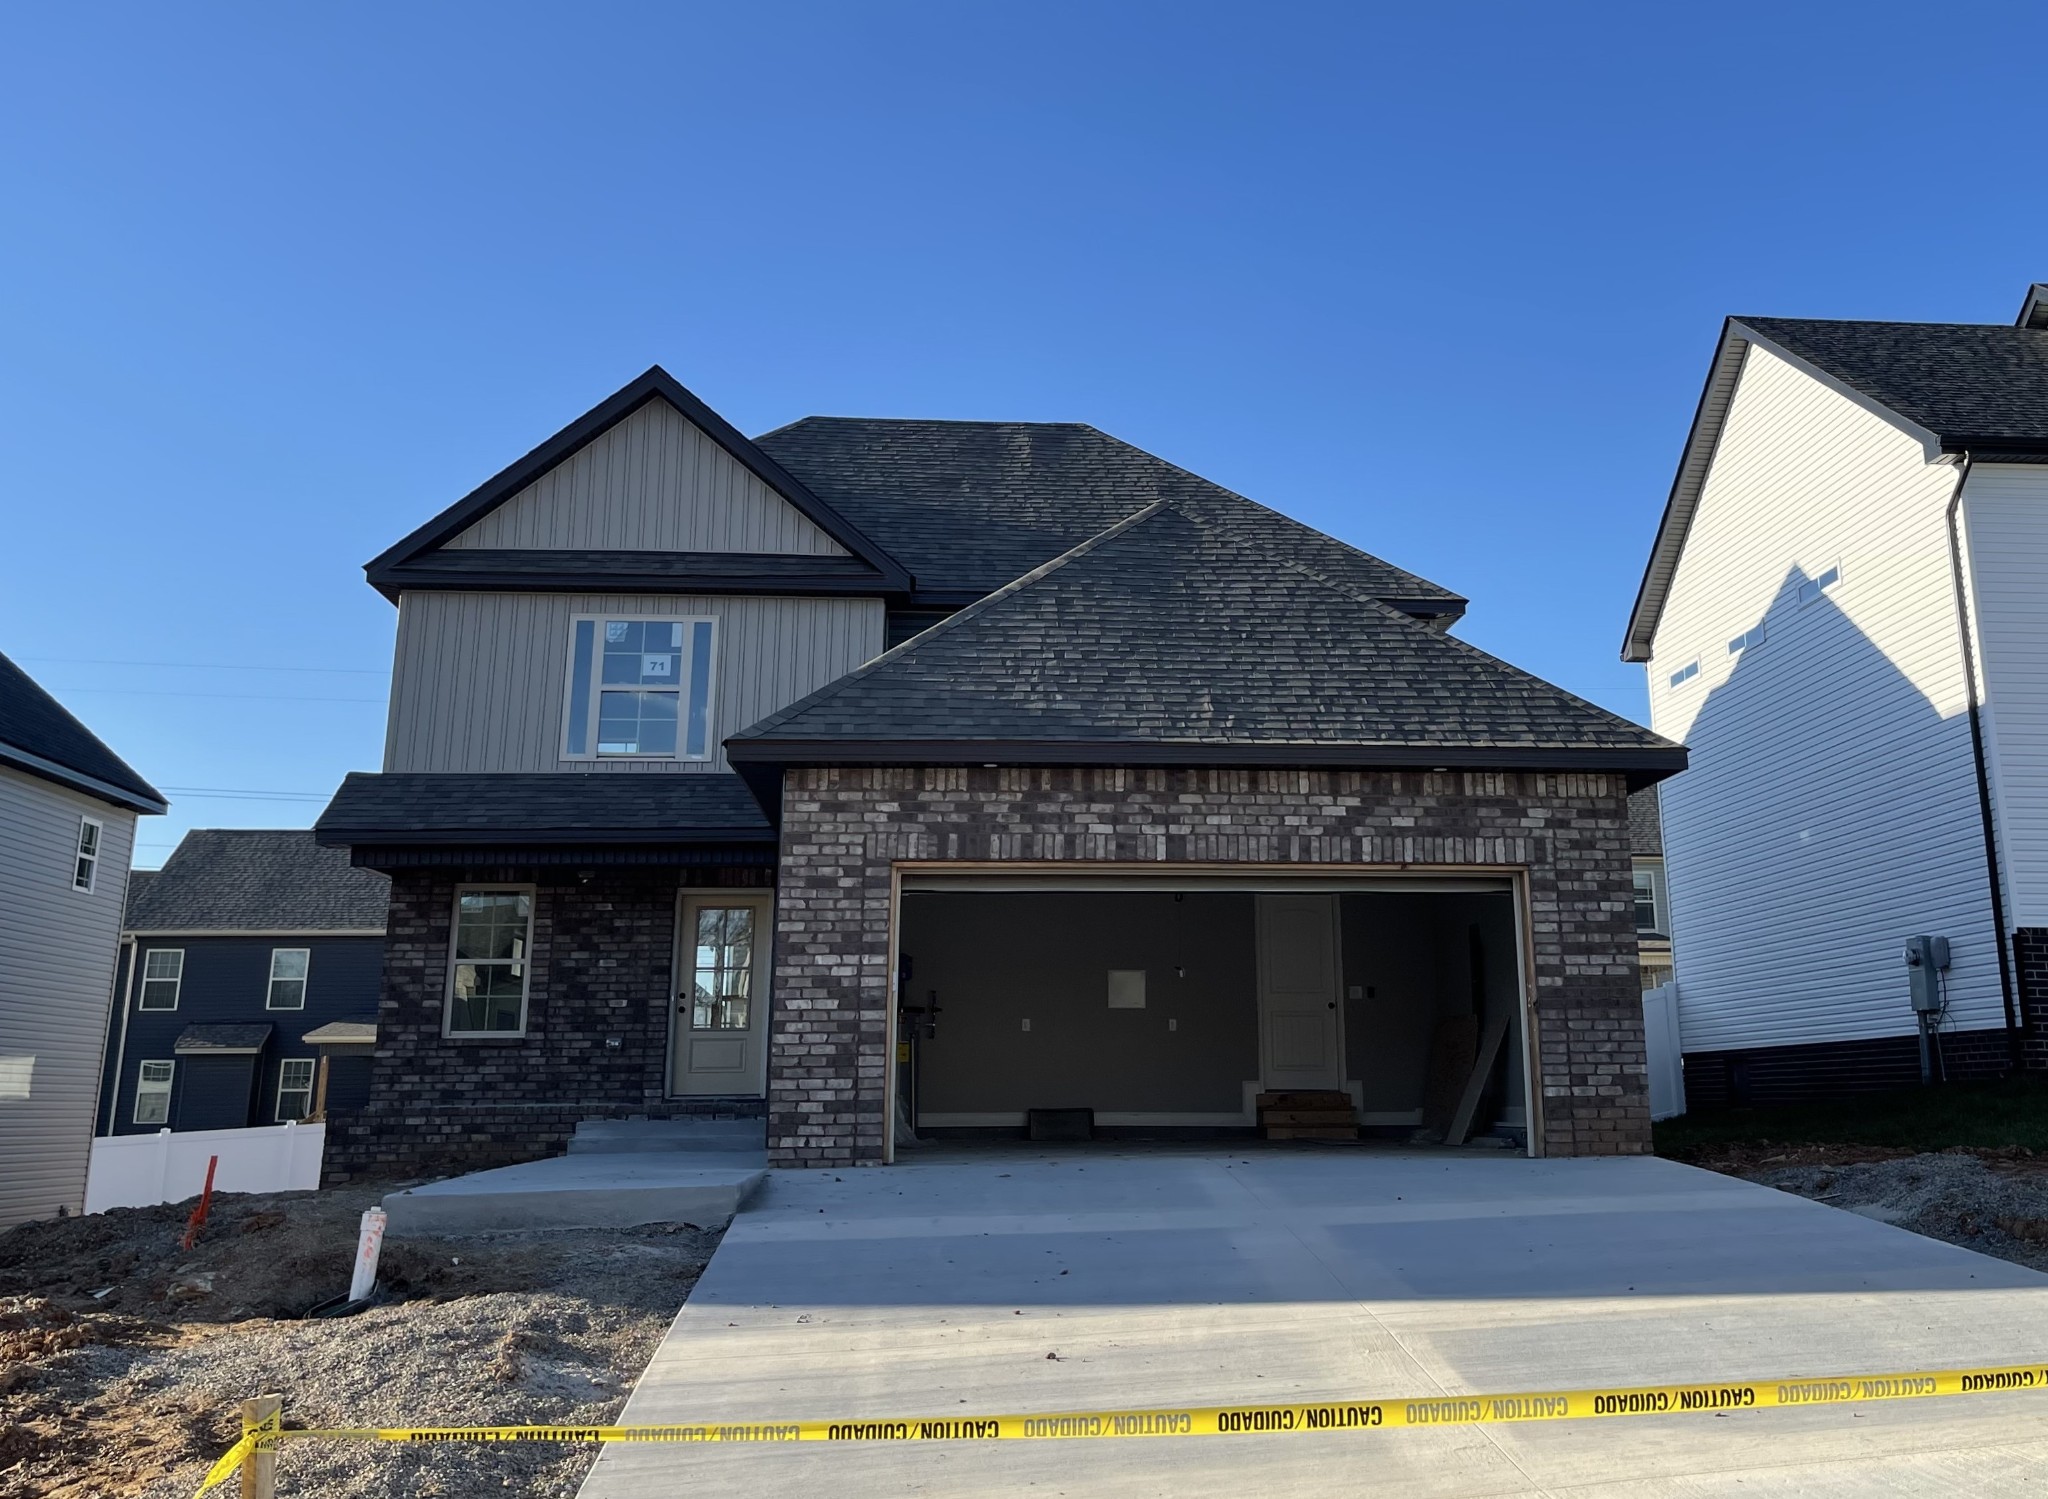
244 697
352 671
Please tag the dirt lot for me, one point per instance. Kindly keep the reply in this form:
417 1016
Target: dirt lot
123 1359
1994 1203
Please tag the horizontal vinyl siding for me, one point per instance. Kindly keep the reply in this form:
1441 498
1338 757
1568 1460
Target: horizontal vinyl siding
2005 516
479 678
58 948
654 482
1830 808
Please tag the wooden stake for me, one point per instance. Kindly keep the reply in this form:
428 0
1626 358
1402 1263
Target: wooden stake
259 1468
319 1093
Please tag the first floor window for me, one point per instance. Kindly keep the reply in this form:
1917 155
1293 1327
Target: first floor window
288 978
163 972
153 1092
488 965
639 688
86 870
294 1088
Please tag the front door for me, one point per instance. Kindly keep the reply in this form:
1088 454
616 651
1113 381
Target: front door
720 1026
1300 1023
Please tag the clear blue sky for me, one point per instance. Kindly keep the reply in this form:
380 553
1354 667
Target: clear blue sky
279 282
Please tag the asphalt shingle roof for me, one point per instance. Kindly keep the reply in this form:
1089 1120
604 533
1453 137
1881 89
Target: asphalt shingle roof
540 807
258 880
1979 385
39 728
1175 628
970 506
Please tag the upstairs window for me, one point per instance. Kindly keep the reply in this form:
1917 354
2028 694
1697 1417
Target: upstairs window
639 689
163 973
1685 673
85 871
1748 638
1649 902
288 978
1811 590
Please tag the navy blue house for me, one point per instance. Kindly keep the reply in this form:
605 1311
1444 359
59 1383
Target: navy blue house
247 989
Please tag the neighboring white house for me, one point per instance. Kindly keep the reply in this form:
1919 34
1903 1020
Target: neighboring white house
68 806
1845 619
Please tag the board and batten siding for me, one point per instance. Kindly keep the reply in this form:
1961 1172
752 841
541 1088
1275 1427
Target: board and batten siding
1830 808
653 482
58 948
2005 529
479 679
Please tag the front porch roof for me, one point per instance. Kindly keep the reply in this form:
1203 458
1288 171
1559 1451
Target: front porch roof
425 810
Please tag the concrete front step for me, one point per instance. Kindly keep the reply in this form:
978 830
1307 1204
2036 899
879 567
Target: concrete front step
582 1191
627 1136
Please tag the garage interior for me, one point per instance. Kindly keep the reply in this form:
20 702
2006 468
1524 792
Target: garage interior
1382 1010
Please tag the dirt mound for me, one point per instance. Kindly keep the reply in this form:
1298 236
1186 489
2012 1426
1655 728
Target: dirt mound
123 1358
1993 1202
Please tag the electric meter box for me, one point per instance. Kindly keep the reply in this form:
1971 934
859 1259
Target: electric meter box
1926 957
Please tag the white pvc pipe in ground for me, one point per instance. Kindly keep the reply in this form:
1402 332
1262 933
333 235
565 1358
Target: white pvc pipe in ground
368 1247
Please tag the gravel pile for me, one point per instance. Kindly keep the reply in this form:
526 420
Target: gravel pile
1995 1206
503 1329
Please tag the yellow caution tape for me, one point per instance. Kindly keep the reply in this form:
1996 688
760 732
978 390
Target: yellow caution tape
1241 1420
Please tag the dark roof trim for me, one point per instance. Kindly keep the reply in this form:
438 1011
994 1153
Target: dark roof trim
93 786
518 571
597 856
656 384
1653 763
2034 311
338 836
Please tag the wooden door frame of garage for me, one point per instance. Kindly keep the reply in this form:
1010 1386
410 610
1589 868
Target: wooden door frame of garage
1517 876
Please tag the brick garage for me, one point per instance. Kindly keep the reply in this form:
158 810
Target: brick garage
603 951
843 831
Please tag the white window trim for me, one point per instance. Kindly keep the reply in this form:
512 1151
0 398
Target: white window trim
312 1070
143 981
448 1031
170 1076
683 690
1823 589
80 856
1686 673
1661 924
304 981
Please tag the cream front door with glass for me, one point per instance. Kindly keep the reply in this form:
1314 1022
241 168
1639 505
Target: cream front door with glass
720 1029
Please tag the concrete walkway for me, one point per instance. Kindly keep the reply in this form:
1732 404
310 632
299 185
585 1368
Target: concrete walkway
1013 1280
582 1191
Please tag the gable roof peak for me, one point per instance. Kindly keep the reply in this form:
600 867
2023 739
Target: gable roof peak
656 383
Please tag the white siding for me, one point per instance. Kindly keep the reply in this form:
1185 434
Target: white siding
655 482
2005 516
57 952
1830 811
480 678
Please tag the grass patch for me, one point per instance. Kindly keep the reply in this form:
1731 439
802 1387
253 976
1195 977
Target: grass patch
2004 1115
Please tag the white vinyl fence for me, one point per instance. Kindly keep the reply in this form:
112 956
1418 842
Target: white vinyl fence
1667 1065
135 1171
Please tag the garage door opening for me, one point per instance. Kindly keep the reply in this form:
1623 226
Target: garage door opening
1388 1010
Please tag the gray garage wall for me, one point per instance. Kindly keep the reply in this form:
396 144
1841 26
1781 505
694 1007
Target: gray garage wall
1413 953
997 960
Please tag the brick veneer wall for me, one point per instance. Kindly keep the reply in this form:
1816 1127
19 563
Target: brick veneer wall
2030 964
602 951
843 829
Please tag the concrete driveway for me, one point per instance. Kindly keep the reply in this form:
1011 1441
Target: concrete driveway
999 1281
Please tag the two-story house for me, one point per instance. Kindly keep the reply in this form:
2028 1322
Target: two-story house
1843 620
917 774
248 984
68 806
1653 896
